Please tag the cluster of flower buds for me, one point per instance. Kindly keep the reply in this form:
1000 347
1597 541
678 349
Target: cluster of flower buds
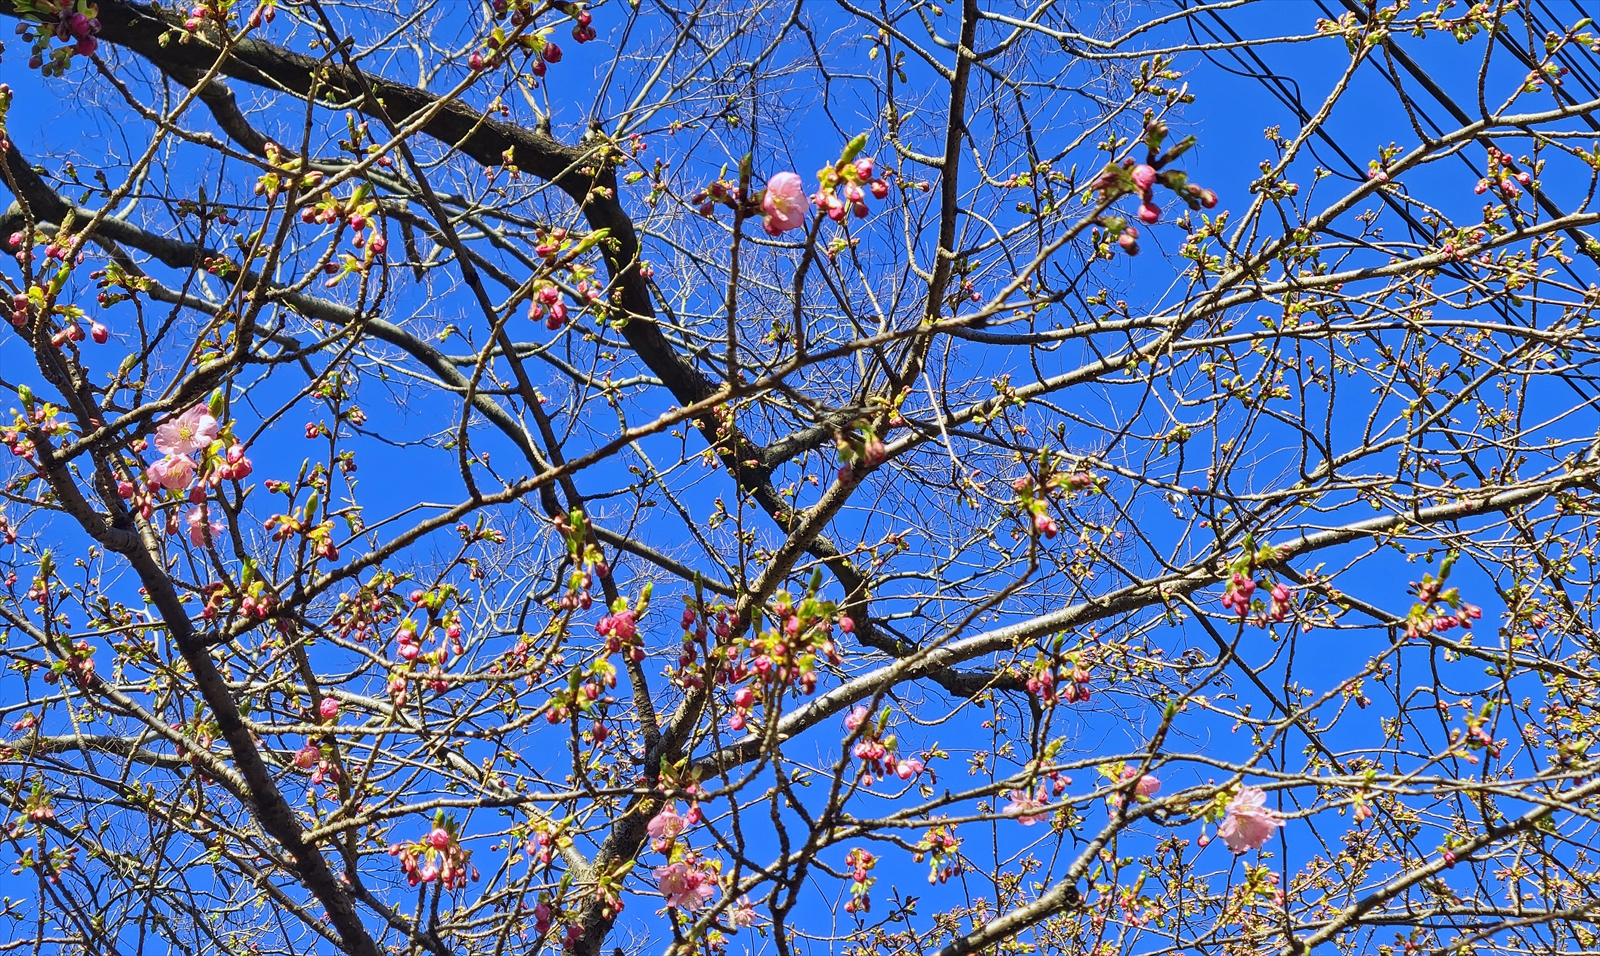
786 654
859 454
583 694
1036 505
204 12
1439 609
1140 179
587 560
41 417
409 648
876 749
287 171
543 916
36 810
942 849
438 856
1504 175
265 12
579 594
1035 495
621 630
318 533
844 185
561 251
548 838
256 602
79 663
52 248
20 444
1241 585
357 212
582 21
1058 681
75 23
498 45
322 768
722 192
1237 596
1428 622
696 643
1477 735
547 304
860 862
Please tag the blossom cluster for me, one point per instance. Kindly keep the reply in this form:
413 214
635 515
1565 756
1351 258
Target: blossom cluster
438 856
177 475
1141 178
877 750
842 191
74 23
687 884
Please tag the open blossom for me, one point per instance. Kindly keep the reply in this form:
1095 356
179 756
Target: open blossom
685 886
1028 809
192 431
174 472
784 206
197 522
855 718
665 826
906 769
1249 822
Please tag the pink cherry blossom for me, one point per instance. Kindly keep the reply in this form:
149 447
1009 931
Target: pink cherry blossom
784 205
1028 809
665 826
906 769
1249 822
174 472
684 886
192 431
856 718
197 521
1148 786
306 757
1144 176
329 708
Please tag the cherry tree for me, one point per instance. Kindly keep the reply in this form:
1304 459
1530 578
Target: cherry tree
639 477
